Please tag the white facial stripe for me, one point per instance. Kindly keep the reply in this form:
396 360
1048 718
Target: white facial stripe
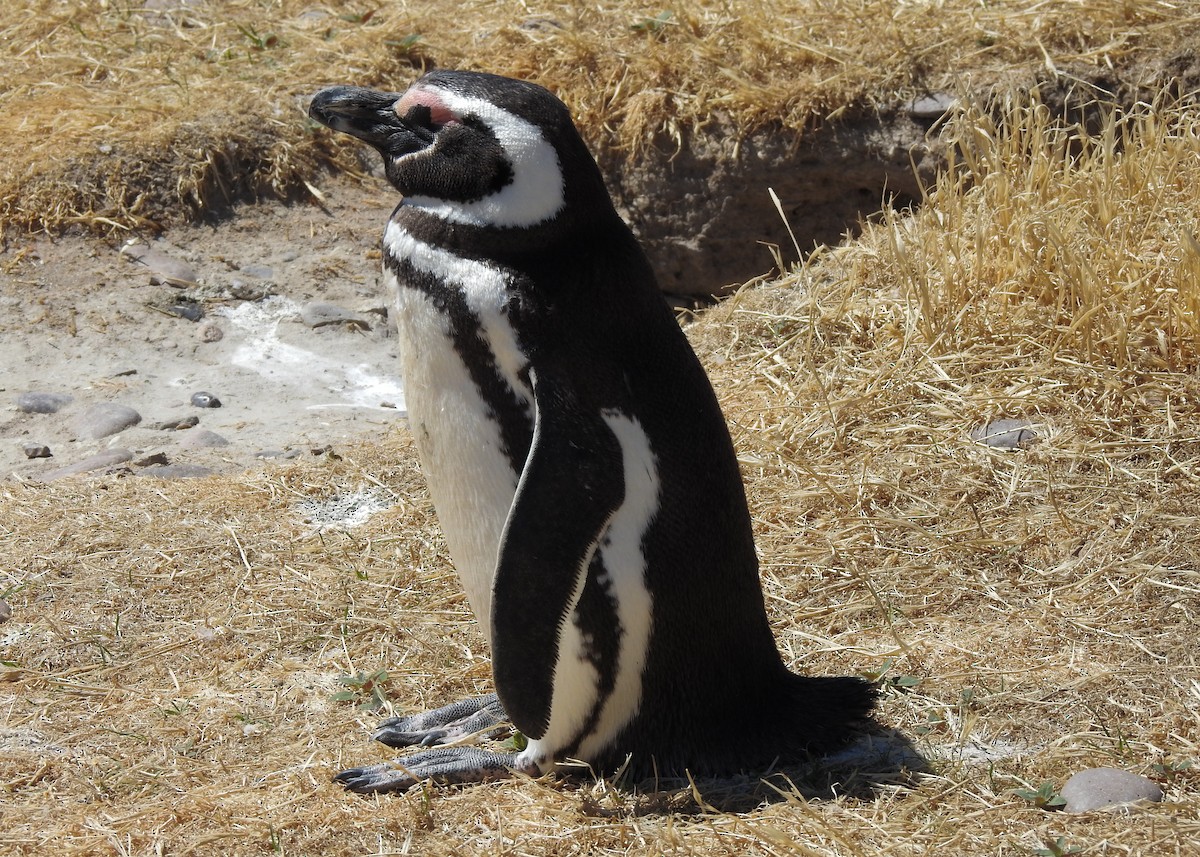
621 550
486 291
536 191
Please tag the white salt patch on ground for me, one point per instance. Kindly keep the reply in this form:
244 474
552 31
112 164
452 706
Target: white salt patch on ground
356 384
344 510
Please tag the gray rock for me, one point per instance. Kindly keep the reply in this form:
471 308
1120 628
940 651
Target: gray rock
1097 788
278 453
5 610
35 450
205 400
186 309
935 105
1005 434
203 439
263 272
104 419
176 471
319 314
179 424
42 403
108 458
163 268
251 290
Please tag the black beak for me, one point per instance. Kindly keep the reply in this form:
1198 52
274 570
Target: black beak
371 116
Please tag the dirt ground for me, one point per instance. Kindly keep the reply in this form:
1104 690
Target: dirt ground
78 316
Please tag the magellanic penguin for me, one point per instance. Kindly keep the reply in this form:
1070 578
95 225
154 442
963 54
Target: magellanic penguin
579 463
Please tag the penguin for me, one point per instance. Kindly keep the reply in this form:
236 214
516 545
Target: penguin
578 460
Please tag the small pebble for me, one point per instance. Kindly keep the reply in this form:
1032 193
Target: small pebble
205 400
108 458
163 268
263 272
1005 434
42 403
104 419
210 332
251 290
5 610
932 106
203 439
278 453
33 450
177 471
178 425
318 314
1097 788
186 309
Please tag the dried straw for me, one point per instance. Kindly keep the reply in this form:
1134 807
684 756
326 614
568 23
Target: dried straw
121 115
170 678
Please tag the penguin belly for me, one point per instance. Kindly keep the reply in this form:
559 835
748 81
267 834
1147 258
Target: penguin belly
471 480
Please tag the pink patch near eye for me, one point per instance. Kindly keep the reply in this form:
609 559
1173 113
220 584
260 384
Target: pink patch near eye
439 113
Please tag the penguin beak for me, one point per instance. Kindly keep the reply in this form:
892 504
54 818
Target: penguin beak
370 116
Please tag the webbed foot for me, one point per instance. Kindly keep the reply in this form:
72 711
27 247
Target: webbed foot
446 724
443 765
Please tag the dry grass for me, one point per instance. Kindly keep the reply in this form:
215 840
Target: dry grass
115 116
169 673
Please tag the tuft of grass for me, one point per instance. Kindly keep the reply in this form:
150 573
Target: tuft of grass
1045 796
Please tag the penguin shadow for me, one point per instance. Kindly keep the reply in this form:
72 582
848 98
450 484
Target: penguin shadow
881 759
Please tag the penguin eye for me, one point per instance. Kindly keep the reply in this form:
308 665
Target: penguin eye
429 116
420 114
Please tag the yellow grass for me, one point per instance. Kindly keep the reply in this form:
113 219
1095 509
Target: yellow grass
169 672
113 116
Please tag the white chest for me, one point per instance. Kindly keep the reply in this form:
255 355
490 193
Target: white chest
471 478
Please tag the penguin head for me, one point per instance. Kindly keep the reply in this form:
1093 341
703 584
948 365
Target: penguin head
470 148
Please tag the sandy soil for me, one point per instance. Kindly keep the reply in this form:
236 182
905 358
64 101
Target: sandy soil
77 316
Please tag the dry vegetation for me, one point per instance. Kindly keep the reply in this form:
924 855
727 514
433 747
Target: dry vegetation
114 115
171 671
168 680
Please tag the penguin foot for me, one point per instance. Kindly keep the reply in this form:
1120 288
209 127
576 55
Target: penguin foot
447 765
445 725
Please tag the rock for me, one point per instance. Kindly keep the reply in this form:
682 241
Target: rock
186 309
108 458
33 450
1097 788
933 106
263 272
251 290
210 332
178 425
319 314
177 471
278 453
5 610
42 403
157 458
205 400
104 419
163 268
203 439
1005 434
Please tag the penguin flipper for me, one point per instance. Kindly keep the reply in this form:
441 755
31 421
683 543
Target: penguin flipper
449 765
547 548
482 715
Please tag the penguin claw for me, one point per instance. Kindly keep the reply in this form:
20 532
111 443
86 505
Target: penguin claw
447 765
444 725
